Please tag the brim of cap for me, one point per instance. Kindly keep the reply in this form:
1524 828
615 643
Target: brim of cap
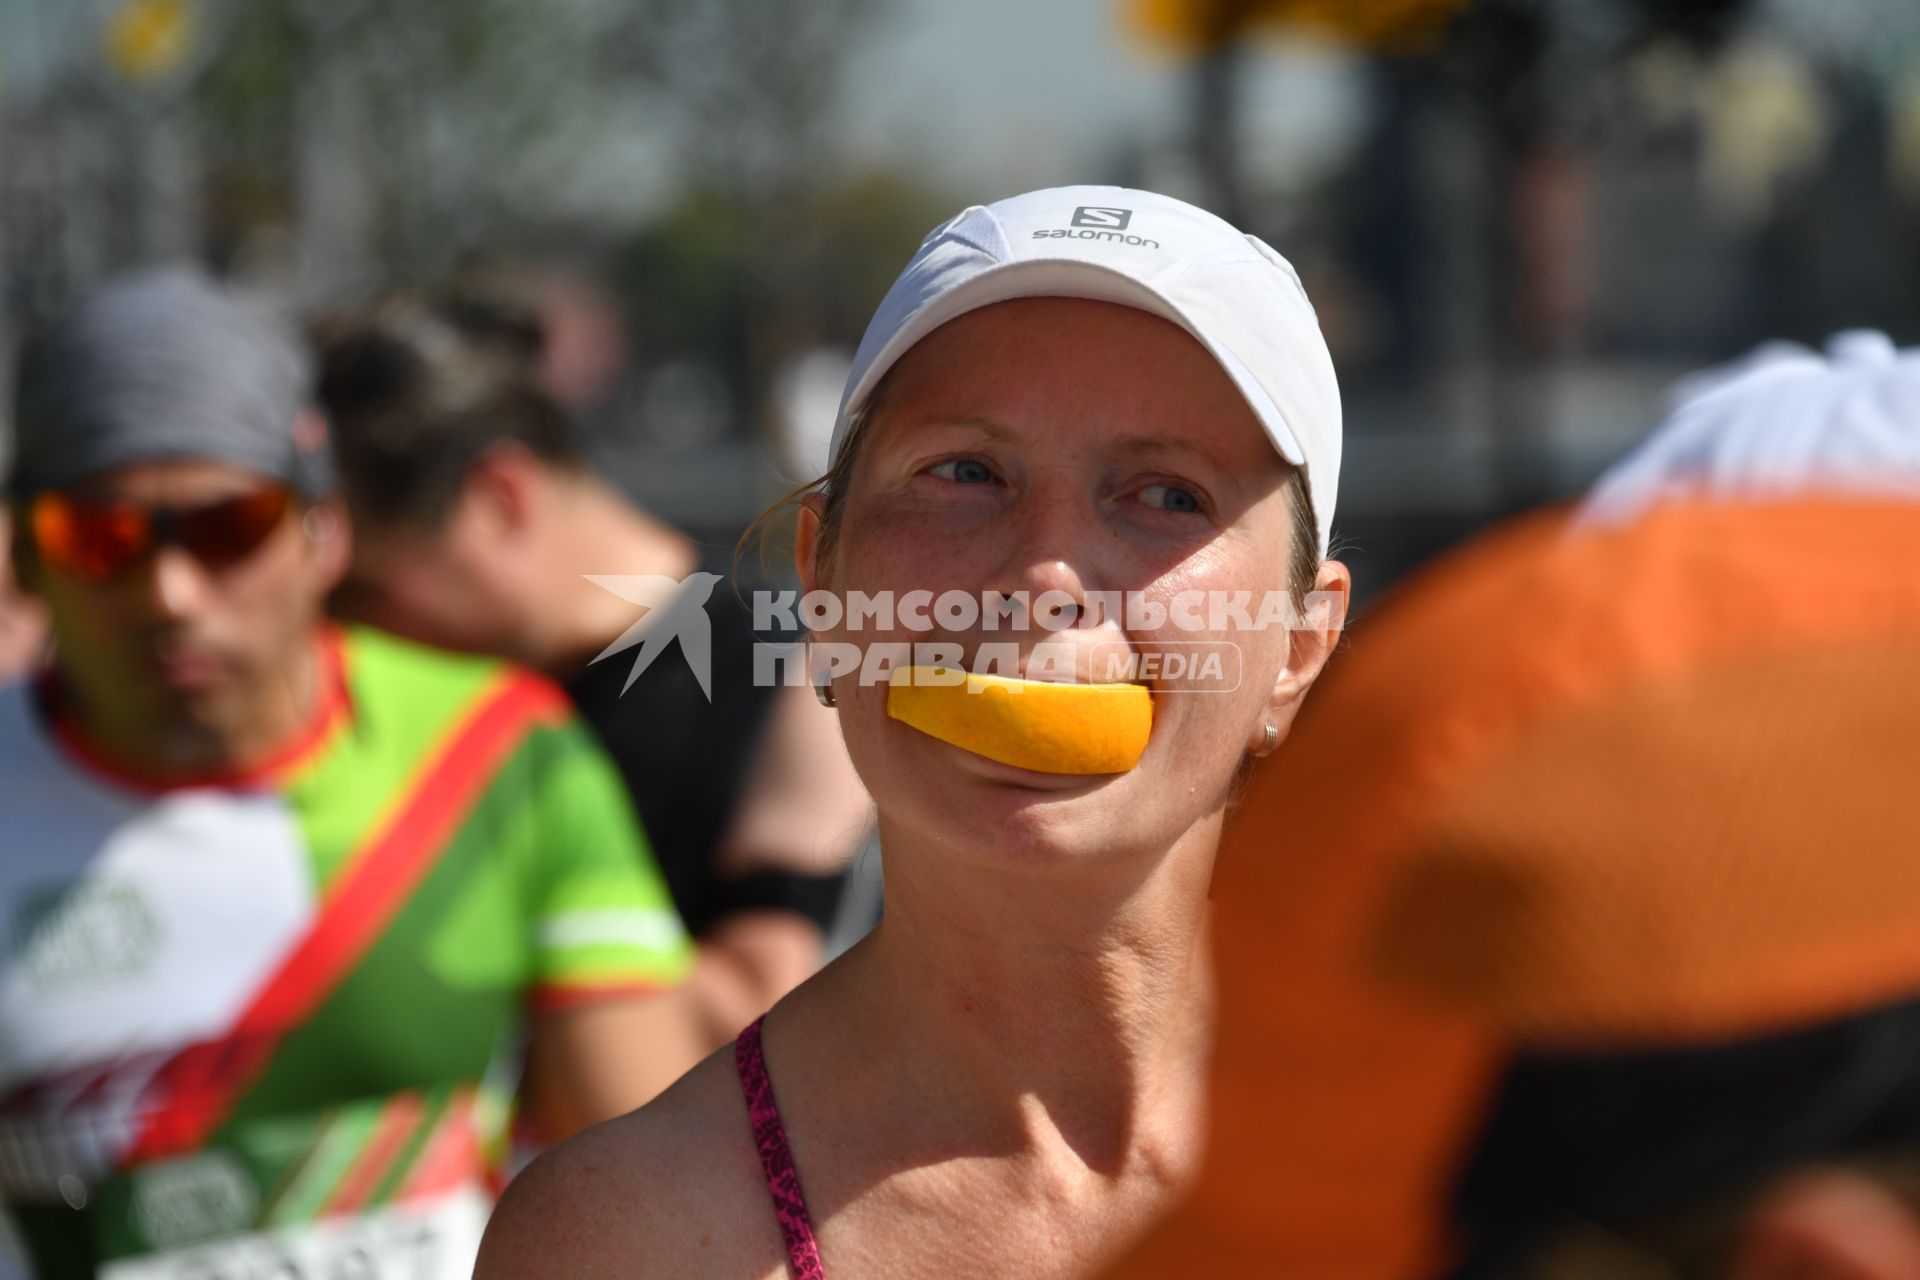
1067 278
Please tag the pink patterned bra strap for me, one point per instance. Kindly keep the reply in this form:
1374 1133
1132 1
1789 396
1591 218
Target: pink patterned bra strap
776 1158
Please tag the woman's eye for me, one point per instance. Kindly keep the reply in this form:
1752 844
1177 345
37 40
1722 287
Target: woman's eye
963 471
1166 497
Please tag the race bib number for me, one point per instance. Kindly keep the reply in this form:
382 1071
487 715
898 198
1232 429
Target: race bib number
431 1240
394 1188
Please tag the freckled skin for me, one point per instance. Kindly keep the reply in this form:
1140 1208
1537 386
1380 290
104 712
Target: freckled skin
1060 491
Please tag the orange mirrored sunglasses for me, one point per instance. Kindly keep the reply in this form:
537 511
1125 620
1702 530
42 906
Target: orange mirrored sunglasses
99 539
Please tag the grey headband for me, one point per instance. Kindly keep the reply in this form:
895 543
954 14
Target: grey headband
162 365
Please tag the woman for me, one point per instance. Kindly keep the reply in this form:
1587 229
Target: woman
1081 390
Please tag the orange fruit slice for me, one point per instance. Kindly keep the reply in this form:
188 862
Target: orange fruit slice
1031 724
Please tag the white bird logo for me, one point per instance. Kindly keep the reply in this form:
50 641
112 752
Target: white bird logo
675 608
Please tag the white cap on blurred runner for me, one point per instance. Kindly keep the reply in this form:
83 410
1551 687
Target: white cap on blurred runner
1785 420
1239 298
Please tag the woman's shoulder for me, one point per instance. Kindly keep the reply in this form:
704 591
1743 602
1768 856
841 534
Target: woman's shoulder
672 1189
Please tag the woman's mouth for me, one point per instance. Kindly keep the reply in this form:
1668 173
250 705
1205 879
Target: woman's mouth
1057 725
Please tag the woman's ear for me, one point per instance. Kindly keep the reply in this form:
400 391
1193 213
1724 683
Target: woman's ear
1312 642
806 539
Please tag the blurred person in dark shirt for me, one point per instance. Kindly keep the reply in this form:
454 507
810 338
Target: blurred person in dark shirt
1576 931
477 518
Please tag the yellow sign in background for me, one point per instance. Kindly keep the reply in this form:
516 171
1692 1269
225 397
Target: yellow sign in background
1392 24
146 39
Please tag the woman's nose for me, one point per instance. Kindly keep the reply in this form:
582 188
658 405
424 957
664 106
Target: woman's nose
1053 590
1053 553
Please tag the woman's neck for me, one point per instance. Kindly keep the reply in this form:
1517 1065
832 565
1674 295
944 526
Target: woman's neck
1049 1006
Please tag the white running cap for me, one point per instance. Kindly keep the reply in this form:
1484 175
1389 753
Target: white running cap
1240 299
1782 422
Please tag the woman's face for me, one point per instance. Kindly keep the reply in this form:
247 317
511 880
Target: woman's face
1055 444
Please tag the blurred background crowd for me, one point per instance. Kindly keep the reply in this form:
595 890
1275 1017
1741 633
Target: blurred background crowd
1519 219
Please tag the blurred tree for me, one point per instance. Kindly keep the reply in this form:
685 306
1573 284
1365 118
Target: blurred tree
1214 32
393 137
773 237
745 91
325 148
692 281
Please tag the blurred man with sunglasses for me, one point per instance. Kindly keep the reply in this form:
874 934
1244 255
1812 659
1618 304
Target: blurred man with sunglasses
274 896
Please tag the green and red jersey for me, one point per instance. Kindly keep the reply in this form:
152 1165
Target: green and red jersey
269 1024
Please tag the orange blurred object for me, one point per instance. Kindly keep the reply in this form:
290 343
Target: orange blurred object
1637 788
1399 26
